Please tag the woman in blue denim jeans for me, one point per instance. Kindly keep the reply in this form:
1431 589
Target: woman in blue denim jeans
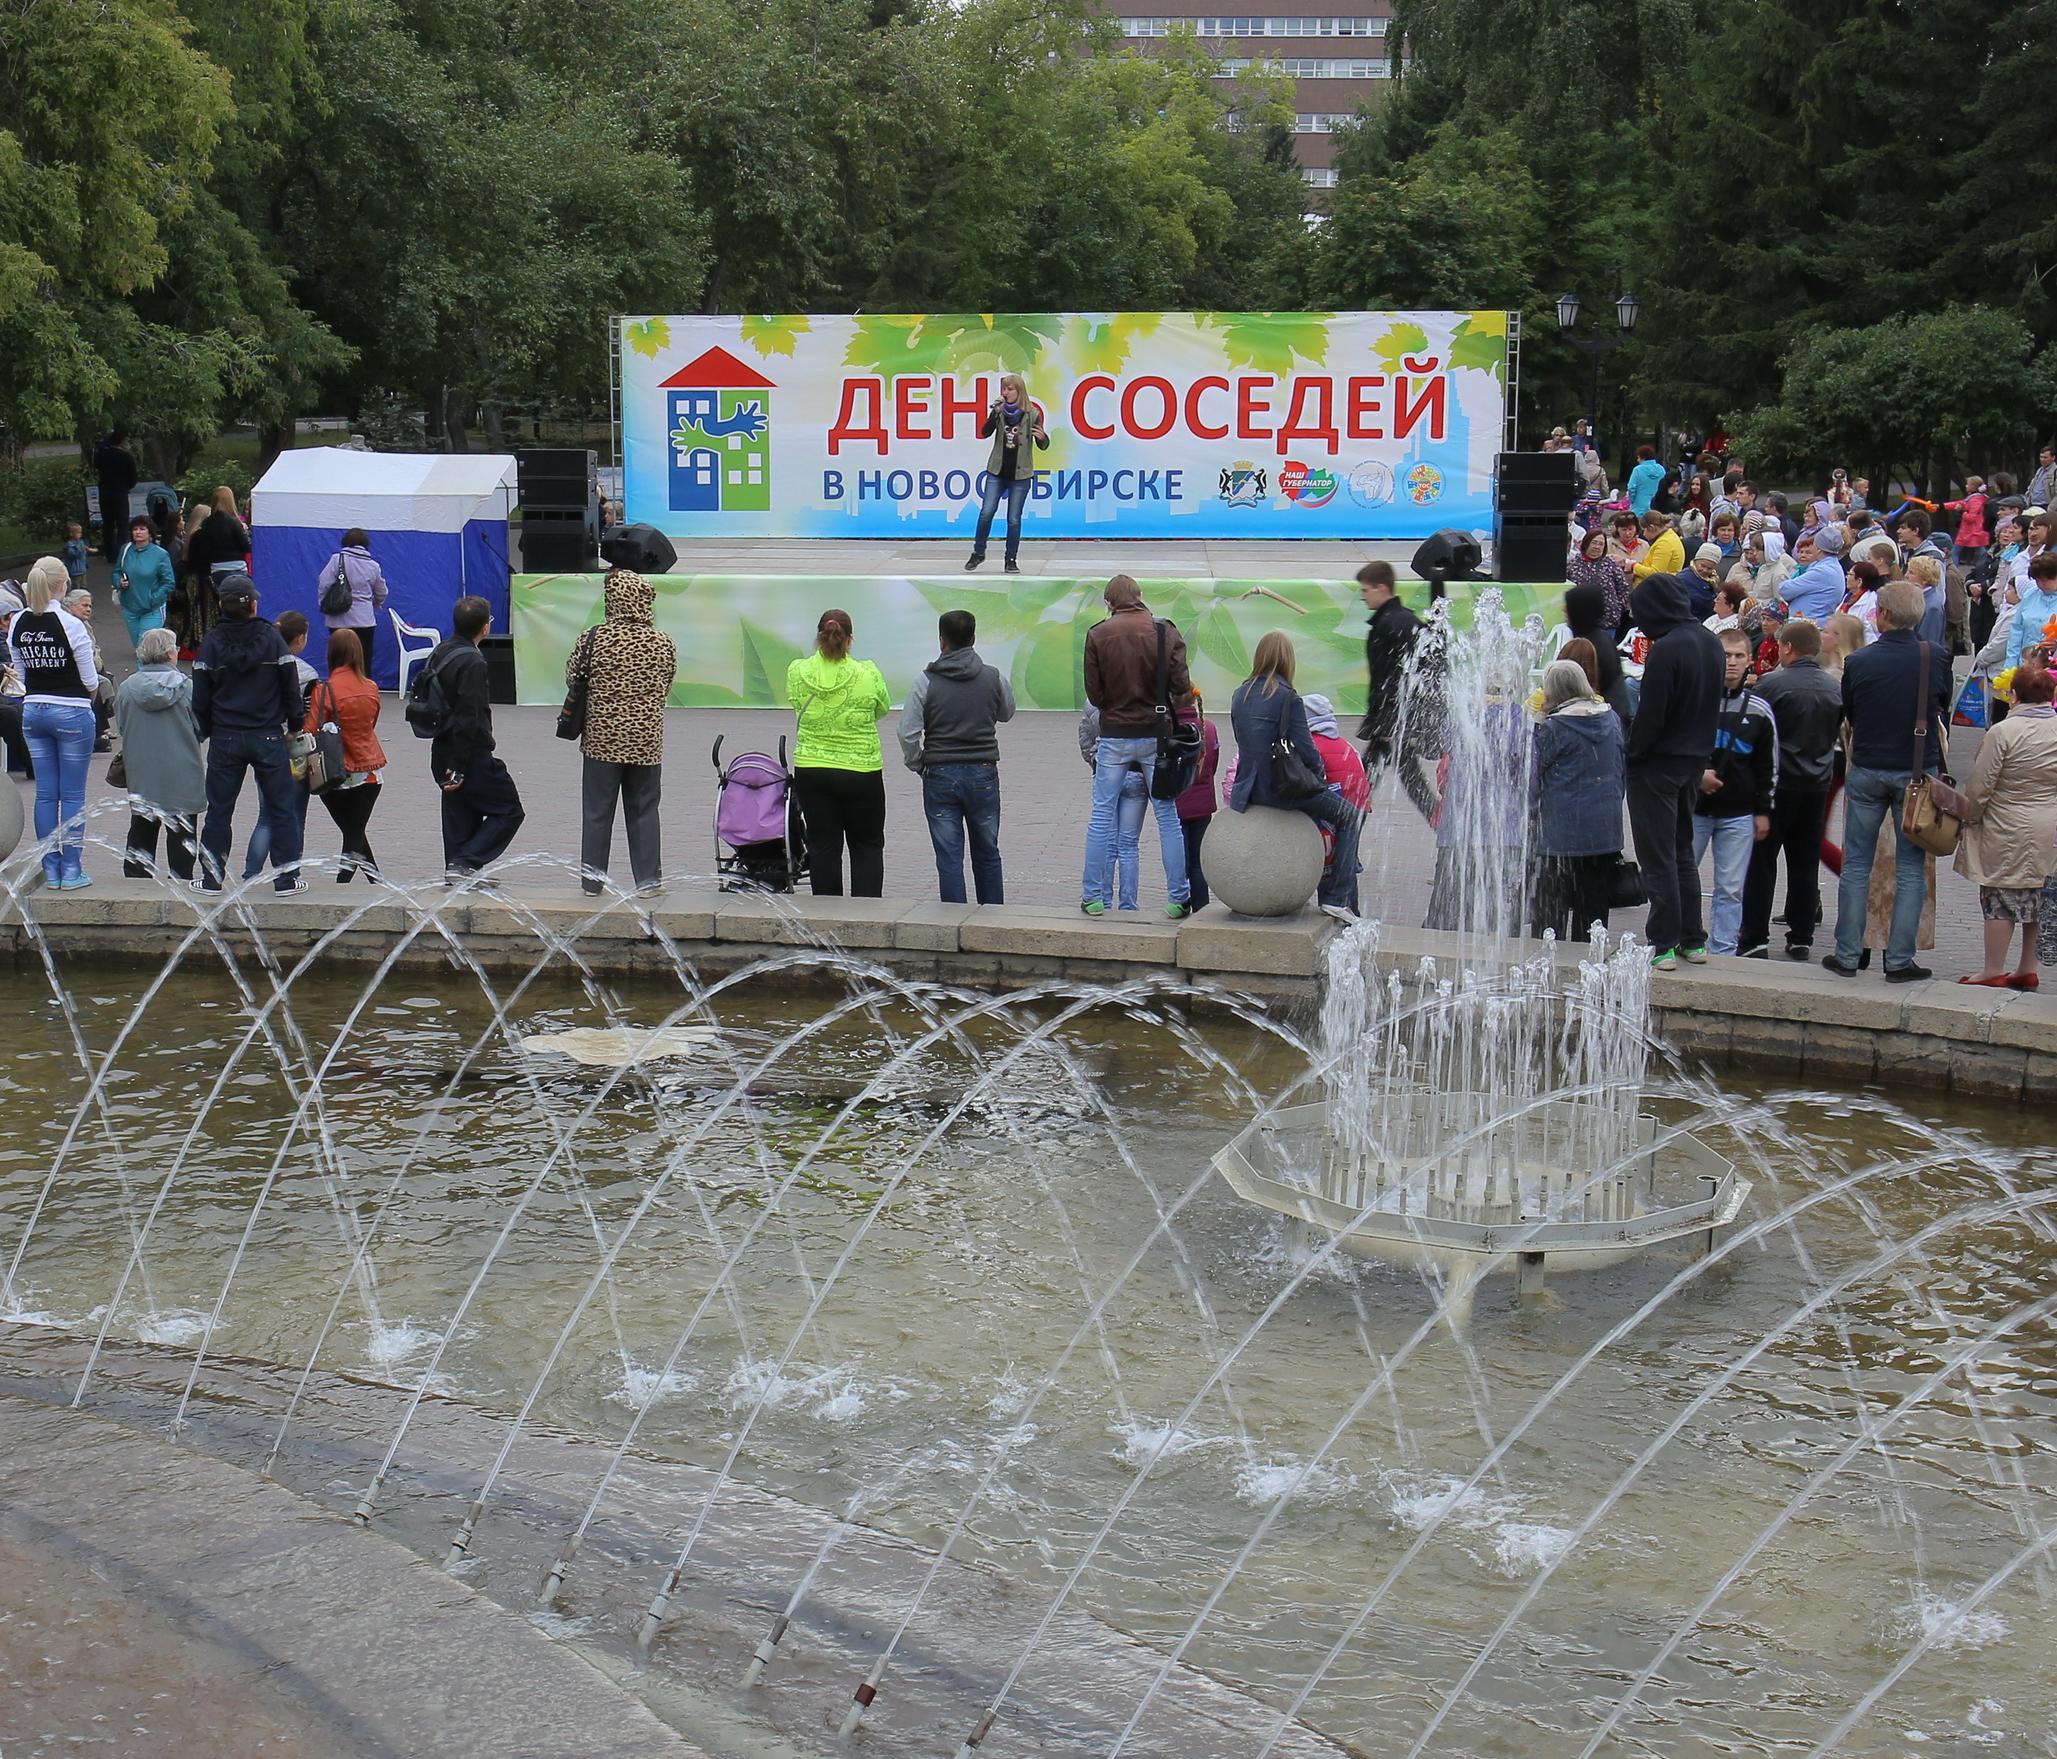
53 654
1266 709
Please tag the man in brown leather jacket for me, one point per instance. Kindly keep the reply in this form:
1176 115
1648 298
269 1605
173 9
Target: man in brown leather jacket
1121 682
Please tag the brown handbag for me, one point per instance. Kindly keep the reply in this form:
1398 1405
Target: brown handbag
1933 814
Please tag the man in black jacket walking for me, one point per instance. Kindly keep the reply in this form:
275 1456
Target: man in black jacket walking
1889 717
247 705
481 807
1669 746
949 736
1402 714
1807 708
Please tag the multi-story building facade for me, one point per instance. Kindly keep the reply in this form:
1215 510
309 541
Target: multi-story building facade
1337 62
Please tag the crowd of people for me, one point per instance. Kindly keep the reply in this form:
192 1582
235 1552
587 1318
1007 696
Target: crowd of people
1722 673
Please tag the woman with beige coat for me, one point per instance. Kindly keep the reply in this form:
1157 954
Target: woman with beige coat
2010 846
627 665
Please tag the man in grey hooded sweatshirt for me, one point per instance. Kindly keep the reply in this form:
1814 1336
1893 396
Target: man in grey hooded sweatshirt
949 737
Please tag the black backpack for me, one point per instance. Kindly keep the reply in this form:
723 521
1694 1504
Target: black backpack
428 708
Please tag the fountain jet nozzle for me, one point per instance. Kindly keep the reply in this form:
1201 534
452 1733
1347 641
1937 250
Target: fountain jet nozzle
972 1740
766 1648
553 1583
646 1632
462 1543
861 1699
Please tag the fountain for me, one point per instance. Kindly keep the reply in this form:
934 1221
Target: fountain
811 1349
1484 1125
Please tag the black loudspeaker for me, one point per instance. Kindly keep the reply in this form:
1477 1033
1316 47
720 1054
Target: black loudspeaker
1532 547
1535 482
1450 554
557 478
641 548
556 546
499 655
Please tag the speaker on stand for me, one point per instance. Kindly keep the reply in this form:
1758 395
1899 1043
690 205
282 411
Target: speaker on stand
558 488
1533 494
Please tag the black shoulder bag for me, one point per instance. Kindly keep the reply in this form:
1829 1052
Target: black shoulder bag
1291 779
571 718
1178 744
335 597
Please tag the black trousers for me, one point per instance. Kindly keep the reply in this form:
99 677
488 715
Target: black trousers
839 806
1572 893
351 810
1196 833
10 736
181 845
480 817
1661 794
639 788
1380 756
1798 818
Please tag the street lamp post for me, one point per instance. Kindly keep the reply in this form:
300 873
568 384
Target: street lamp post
1627 309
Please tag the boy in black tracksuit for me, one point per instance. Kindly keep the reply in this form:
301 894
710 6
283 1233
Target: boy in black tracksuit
1669 746
1807 705
1733 813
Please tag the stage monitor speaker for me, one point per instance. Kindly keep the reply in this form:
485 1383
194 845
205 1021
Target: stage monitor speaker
499 656
1531 547
565 478
641 548
1535 482
564 547
1450 553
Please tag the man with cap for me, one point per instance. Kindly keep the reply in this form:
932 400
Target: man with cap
247 705
1816 592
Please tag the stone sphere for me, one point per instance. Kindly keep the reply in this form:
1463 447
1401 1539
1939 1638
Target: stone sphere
1265 861
13 820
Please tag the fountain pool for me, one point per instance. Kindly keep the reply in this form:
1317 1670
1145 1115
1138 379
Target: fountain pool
905 1337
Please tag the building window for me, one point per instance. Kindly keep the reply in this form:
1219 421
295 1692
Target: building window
1319 177
1146 27
1267 27
1321 121
1303 69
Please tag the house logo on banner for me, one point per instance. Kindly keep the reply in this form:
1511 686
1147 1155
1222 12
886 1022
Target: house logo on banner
717 418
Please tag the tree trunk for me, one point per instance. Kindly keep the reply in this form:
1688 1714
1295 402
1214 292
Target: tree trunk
432 419
495 425
456 414
715 277
274 437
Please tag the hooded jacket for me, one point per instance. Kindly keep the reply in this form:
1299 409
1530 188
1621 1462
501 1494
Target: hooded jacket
1585 615
1682 676
628 665
838 704
245 681
953 713
1578 783
153 712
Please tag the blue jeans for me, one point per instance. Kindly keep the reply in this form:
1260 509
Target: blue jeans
261 751
1129 811
1110 765
259 850
1733 839
60 742
961 799
1016 492
1869 796
1339 877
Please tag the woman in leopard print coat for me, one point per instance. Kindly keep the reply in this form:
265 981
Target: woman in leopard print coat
628 666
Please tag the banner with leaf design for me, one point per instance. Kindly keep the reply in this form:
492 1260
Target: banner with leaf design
736 633
1160 424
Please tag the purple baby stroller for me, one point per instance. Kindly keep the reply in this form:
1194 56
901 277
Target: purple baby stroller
757 818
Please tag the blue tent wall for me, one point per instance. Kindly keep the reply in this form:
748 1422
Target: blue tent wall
426 573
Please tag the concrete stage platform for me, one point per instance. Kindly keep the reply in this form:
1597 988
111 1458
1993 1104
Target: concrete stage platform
1056 558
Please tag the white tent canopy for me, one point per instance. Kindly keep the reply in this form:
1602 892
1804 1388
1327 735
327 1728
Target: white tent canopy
333 487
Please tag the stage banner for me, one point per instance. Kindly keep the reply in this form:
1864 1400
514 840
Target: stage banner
736 633
1162 424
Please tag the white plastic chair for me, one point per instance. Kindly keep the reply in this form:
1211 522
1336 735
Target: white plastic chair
426 642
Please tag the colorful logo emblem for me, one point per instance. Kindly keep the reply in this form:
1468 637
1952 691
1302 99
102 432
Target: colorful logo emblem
717 421
1304 487
1424 484
1242 484
1371 483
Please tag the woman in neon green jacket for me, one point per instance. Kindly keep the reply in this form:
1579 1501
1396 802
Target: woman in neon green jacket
838 768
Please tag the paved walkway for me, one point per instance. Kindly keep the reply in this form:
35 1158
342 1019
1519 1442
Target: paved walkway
1044 786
